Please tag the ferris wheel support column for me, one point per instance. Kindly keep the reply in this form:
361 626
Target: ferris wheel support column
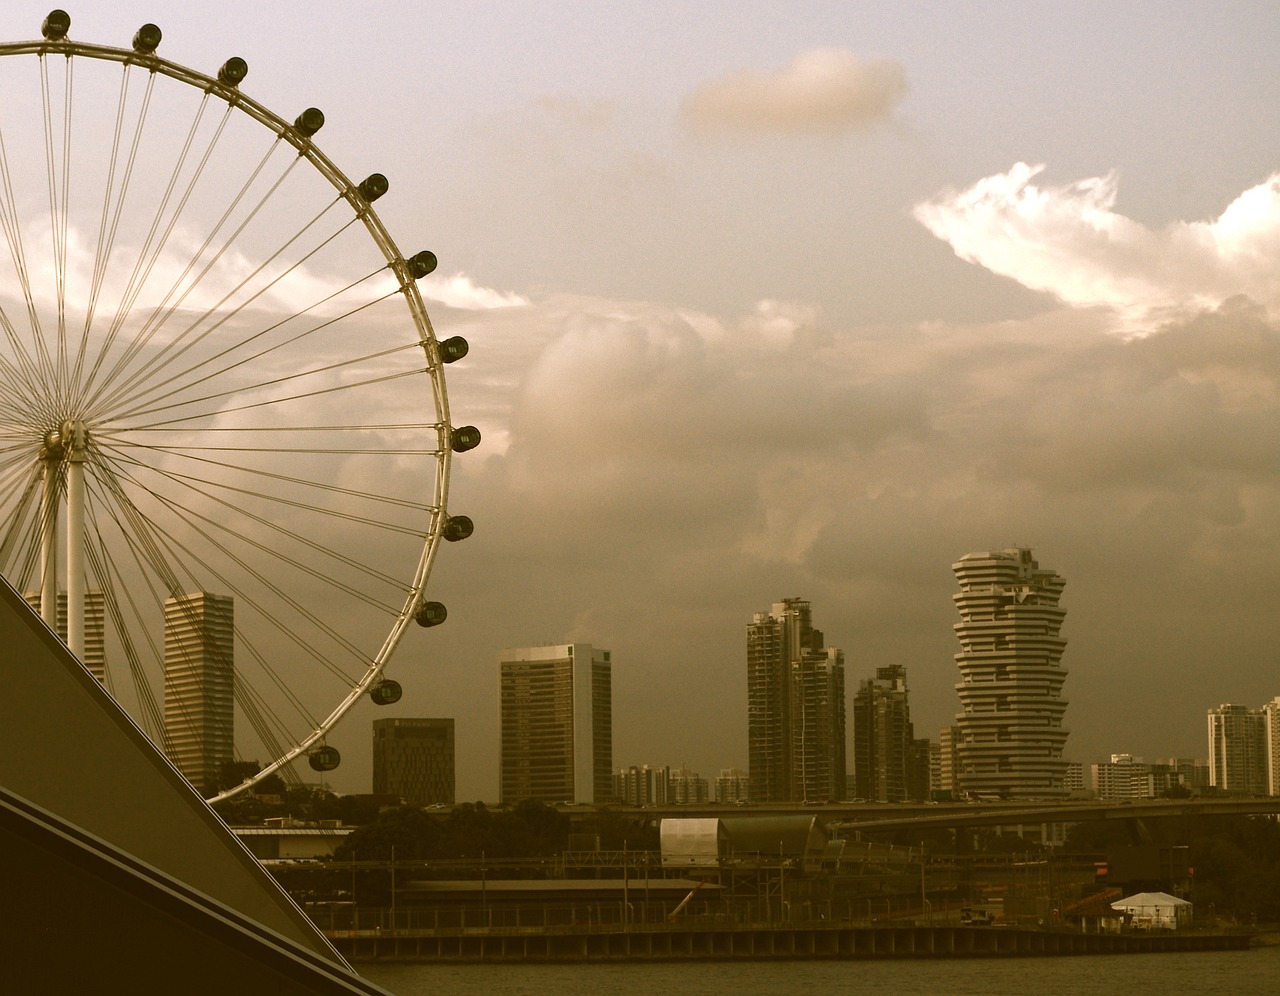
49 540
74 439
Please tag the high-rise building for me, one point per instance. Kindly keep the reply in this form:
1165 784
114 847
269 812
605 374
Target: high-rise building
642 786
919 768
688 787
795 708
199 686
1271 722
882 736
1191 773
414 759
1010 724
733 786
95 655
1238 750
556 724
948 762
1123 777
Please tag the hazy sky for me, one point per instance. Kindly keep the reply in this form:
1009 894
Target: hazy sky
787 299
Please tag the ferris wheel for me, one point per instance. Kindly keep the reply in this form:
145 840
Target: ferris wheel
225 439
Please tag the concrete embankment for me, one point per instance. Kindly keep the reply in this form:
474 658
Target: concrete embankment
740 944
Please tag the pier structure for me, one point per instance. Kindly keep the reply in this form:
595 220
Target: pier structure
744 943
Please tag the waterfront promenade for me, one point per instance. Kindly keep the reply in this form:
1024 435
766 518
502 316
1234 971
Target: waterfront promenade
765 941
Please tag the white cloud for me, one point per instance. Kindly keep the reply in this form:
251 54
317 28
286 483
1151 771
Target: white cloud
821 90
459 291
665 472
1070 242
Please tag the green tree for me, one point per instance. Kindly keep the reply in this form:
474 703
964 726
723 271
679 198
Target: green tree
412 833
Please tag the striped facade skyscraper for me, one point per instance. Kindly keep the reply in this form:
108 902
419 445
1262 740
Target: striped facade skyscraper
556 724
1010 733
95 629
199 686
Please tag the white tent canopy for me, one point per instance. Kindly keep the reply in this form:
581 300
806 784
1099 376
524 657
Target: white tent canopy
1155 910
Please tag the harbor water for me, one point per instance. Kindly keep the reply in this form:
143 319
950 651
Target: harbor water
1202 973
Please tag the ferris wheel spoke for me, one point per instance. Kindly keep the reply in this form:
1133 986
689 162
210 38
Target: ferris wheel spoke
159 549
251 706
183 551
198 331
140 389
232 357
213 491
10 221
268 551
59 204
18 547
225 353
307 483
185 284
114 211
110 583
152 249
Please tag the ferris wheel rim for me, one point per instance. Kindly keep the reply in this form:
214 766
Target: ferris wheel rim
368 217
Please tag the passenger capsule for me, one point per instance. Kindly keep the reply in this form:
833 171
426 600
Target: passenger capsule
56 25
147 39
324 758
385 692
372 187
421 263
430 614
463 438
459 527
452 349
233 71
309 122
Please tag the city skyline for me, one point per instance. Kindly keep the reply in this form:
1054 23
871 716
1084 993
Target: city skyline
783 301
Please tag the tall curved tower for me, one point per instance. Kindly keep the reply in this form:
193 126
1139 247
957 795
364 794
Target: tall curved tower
1010 725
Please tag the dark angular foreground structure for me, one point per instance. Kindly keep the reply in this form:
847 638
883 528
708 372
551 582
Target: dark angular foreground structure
116 875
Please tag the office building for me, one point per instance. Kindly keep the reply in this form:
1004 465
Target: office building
199 686
414 759
556 724
883 737
1238 750
95 657
795 708
1011 736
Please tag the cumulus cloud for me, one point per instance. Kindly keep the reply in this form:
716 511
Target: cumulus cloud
665 473
822 90
460 291
1070 241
